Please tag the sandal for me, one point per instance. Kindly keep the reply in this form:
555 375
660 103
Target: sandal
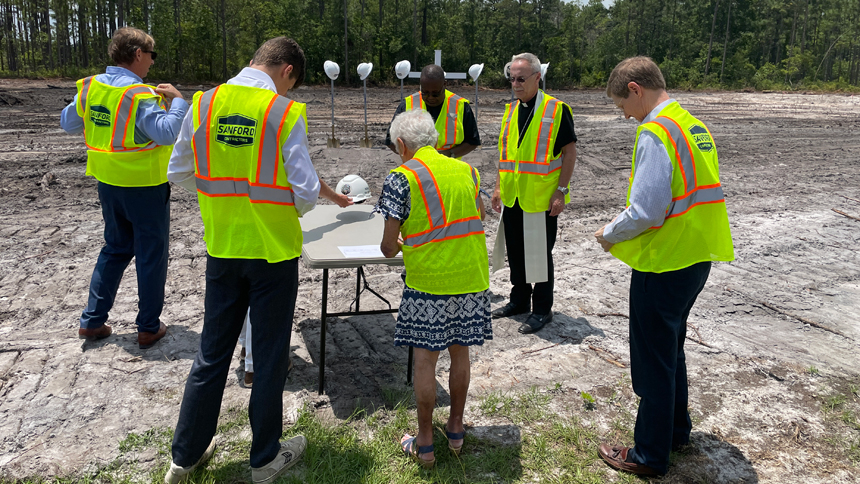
454 436
408 445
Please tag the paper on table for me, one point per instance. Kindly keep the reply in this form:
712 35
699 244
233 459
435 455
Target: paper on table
360 251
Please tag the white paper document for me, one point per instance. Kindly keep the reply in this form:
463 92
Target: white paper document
360 251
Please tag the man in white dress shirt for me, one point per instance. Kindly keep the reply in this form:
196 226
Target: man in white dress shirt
243 149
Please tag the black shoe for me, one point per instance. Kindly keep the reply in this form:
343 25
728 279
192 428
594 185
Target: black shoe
509 309
535 322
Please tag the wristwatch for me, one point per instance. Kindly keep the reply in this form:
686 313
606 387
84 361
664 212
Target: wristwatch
563 190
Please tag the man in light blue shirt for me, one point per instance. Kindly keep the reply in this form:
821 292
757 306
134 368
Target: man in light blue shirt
136 212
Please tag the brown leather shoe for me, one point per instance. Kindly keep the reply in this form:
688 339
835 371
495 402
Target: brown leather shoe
93 334
249 379
146 339
616 457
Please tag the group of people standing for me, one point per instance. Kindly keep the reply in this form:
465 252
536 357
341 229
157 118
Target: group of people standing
242 148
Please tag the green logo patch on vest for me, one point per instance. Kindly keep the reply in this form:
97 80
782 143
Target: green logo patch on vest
236 130
702 138
100 115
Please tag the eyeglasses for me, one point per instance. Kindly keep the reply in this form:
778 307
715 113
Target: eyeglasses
153 53
522 79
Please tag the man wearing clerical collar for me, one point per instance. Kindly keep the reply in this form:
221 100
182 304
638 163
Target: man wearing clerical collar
537 156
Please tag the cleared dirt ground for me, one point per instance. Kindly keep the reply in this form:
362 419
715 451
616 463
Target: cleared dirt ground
772 344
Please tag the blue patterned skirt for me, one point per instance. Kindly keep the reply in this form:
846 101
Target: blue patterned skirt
435 322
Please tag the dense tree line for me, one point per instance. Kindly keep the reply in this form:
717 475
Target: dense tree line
731 43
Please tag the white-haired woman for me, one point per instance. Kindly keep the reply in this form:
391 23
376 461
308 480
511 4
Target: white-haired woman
433 213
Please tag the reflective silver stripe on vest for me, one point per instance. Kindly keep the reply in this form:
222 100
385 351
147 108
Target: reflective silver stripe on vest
455 229
243 188
506 132
540 168
123 113
702 195
434 201
85 90
508 165
683 150
545 132
416 100
201 144
451 122
269 150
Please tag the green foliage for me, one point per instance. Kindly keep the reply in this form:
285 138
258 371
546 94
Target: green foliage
772 44
588 401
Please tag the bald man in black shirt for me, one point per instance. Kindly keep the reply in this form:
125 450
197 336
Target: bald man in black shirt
458 130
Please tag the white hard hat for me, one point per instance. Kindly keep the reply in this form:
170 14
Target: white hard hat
331 69
543 68
364 69
475 71
354 187
402 69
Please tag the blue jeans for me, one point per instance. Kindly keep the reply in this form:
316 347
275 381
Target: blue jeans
137 224
659 307
232 285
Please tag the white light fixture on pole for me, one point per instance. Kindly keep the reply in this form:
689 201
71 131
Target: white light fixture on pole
475 71
332 70
402 69
363 71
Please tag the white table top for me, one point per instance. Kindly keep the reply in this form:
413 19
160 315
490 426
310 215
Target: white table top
328 226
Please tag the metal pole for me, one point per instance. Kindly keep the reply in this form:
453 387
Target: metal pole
358 288
476 100
332 108
365 107
401 89
322 330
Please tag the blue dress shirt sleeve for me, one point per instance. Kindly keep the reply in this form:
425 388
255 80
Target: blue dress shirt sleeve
650 193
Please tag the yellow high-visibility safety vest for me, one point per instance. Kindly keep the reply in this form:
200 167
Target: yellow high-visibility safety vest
444 246
109 115
530 172
449 124
245 199
696 227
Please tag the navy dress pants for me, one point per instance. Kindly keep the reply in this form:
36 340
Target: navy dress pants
522 293
137 224
232 285
659 307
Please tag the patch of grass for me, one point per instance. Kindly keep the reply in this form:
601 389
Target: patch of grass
365 448
524 408
854 452
813 371
397 396
157 438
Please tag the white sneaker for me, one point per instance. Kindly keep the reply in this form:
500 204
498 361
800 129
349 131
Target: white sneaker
178 474
290 453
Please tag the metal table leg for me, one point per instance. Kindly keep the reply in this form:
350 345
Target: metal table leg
322 331
409 368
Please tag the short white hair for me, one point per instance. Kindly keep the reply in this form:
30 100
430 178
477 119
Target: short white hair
532 59
416 128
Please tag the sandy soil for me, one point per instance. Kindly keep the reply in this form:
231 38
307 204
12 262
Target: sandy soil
772 336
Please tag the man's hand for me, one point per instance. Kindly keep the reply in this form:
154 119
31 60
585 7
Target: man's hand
168 92
497 199
341 200
556 203
603 242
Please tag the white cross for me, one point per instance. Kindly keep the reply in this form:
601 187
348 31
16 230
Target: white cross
438 62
